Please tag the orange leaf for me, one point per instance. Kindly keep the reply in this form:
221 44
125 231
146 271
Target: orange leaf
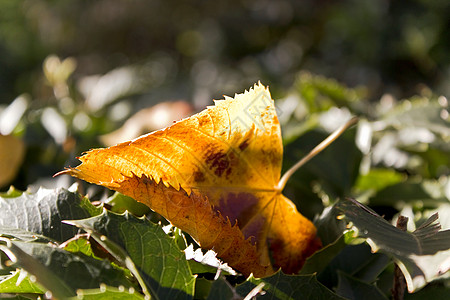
215 175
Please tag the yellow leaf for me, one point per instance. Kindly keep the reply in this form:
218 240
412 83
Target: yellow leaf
215 175
12 152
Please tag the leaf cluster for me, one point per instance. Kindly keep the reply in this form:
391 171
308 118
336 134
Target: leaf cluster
56 242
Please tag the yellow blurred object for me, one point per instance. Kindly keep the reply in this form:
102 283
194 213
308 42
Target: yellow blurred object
12 152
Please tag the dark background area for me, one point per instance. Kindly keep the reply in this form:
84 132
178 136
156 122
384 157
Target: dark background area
202 49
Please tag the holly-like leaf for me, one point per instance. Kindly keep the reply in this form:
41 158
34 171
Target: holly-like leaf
42 213
155 254
108 293
319 260
216 176
281 286
20 282
422 255
354 289
59 271
120 203
23 235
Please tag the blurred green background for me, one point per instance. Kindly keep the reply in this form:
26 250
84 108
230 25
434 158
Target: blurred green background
201 49
73 71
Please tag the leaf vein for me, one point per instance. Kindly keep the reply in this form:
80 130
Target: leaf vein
158 157
190 151
241 157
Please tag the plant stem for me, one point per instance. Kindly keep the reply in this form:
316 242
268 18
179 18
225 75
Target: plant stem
398 290
319 148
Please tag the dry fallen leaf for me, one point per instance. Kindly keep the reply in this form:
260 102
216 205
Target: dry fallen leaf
215 175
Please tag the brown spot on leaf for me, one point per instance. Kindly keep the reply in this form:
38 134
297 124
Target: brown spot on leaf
203 120
244 144
199 176
218 161
238 206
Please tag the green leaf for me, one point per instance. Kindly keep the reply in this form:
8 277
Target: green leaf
374 266
281 286
221 290
79 244
350 260
60 271
206 263
108 293
329 227
322 93
23 235
20 282
11 193
319 260
43 212
120 203
436 160
202 288
20 297
378 179
421 255
355 289
161 263
117 254
43 274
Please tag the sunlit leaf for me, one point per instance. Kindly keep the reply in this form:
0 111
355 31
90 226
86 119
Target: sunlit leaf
418 113
377 179
108 293
79 244
120 203
215 175
422 255
42 212
20 282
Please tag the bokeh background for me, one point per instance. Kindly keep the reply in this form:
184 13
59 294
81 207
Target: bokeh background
74 71
199 49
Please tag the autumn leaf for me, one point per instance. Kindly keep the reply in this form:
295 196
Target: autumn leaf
216 176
